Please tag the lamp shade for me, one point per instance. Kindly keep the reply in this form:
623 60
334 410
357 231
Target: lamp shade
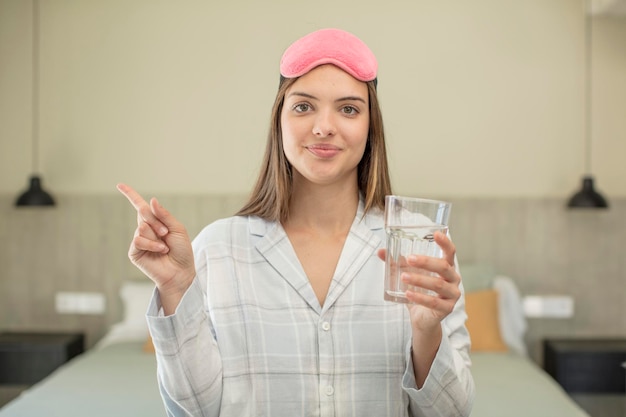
587 197
35 195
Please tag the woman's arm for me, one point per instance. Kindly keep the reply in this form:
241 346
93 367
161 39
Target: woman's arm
189 365
188 360
438 378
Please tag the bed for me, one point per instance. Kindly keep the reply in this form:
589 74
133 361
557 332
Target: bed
116 380
511 385
118 376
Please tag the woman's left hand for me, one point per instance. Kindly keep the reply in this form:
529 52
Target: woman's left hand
429 309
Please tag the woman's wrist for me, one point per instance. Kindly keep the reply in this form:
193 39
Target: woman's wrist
425 344
172 293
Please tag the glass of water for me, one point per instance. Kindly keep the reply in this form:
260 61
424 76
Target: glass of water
410 224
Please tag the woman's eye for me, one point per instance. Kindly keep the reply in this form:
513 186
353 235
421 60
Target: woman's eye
301 108
349 110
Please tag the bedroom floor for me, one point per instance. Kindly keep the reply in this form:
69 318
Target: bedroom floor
602 405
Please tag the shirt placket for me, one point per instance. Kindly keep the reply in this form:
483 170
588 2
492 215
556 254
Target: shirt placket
326 363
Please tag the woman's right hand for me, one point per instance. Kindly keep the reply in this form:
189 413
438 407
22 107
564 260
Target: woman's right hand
161 249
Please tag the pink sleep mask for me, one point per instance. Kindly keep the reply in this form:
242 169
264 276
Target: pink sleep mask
329 46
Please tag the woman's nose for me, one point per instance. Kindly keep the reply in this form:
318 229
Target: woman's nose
324 125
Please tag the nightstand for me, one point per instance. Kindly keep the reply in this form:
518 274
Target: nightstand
591 372
586 365
26 357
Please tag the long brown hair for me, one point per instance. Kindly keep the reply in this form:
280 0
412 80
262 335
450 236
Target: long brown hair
271 194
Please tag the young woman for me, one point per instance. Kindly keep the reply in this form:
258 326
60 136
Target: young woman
279 310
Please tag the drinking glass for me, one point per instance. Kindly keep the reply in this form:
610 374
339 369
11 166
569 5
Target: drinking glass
410 224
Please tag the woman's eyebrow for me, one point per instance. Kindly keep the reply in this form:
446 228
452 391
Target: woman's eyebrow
301 94
351 98
347 98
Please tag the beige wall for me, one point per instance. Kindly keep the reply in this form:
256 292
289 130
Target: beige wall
481 98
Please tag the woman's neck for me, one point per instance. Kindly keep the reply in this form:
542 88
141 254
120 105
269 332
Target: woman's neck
328 209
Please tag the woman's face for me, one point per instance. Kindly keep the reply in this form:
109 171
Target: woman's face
325 123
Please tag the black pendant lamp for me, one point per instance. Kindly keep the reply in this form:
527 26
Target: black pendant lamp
588 197
35 195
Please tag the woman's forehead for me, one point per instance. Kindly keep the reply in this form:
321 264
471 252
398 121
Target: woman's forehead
329 80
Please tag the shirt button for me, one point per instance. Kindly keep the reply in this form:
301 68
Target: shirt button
330 390
326 326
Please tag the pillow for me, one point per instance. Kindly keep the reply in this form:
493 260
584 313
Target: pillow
136 296
513 323
148 346
483 321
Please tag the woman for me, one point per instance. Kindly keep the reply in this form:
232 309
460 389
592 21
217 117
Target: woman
279 310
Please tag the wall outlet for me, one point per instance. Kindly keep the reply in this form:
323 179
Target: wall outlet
80 303
549 306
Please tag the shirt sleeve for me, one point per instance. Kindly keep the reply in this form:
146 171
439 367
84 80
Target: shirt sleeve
449 387
189 366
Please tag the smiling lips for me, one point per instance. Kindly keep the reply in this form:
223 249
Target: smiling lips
323 150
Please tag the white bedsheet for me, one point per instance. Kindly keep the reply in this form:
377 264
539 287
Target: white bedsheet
512 385
115 381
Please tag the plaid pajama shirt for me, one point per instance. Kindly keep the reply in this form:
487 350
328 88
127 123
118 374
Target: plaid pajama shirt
250 338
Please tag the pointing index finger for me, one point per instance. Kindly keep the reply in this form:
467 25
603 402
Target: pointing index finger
132 196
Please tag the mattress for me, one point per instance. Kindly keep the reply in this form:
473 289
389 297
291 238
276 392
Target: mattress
512 385
119 379
116 380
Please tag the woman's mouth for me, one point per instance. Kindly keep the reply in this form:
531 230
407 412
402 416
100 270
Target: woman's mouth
323 151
